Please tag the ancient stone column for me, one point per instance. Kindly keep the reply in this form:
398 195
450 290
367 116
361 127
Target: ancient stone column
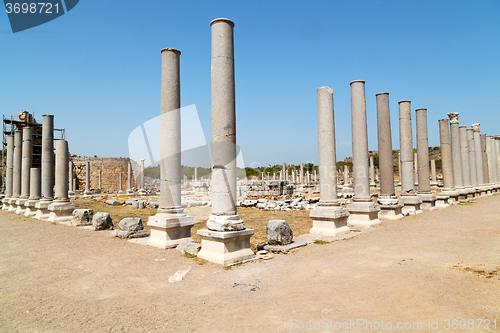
301 172
408 198
9 173
464 152
329 218
142 190
472 163
433 173
363 212
284 171
497 146
486 172
25 170
170 226
100 179
456 156
61 209
390 208
71 171
424 185
372 172
130 181
479 159
35 192
16 170
491 166
120 186
227 240
449 192
415 169
47 167
399 170
87 179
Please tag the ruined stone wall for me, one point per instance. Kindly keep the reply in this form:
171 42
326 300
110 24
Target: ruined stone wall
110 176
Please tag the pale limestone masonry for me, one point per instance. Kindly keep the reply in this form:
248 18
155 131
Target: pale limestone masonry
258 188
110 167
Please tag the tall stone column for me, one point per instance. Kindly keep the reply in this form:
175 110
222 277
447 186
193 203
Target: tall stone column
486 172
25 170
456 157
433 173
35 192
284 172
71 171
16 170
9 172
226 241
347 181
390 208
130 181
372 172
409 198
47 168
120 184
363 212
491 166
301 173
424 184
399 169
472 162
170 226
100 179
479 159
464 152
87 179
329 218
448 192
142 190
497 147
415 168
61 209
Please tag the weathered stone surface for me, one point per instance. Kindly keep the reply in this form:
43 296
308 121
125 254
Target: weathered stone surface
112 202
279 232
82 217
131 227
140 204
249 203
189 247
102 221
154 204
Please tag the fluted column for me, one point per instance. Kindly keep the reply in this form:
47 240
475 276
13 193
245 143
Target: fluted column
424 185
364 213
170 226
410 200
227 240
328 217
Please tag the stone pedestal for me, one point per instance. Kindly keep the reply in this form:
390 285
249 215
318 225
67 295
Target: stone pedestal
411 202
428 201
363 215
60 211
442 201
225 248
170 229
42 212
329 220
390 208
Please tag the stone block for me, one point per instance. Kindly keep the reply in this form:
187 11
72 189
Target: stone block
82 217
279 232
102 221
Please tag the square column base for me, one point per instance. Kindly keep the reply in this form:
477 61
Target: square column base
42 210
462 195
60 212
452 194
21 209
5 204
169 230
329 221
362 215
442 201
411 203
225 247
12 204
428 201
30 208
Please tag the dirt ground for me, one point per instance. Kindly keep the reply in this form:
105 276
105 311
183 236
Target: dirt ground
431 268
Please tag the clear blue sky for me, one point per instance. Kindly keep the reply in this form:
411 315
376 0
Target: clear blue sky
98 68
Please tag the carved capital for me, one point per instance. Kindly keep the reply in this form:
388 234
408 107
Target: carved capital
453 117
475 127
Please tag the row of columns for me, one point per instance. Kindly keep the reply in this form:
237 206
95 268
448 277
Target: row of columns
30 191
470 163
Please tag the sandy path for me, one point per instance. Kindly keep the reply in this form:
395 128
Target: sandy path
55 278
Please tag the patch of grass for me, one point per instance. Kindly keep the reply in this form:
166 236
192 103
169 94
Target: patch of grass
354 230
189 255
319 241
466 203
